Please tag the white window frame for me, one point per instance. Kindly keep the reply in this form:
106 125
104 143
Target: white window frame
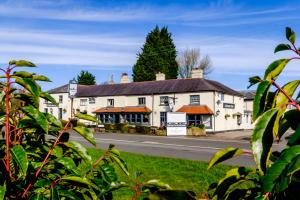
142 101
195 99
60 98
92 100
83 102
110 102
164 100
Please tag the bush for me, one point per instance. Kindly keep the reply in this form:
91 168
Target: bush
277 173
143 129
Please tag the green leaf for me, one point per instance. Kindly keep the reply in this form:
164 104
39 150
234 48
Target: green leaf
29 85
28 99
22 74
246 185
295 138
260 98
53 121
54 194
282 101
253 80
109 172
276 173
282 47
81 180
68 194
2 191
69 164
223 155
80 149
290 35
48 97
42 183
38 116
41 78
87 117
21 63
57 151
87 133
275 68
262 138
19 155
158 184
121 163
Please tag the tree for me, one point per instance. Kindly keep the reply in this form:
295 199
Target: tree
277 173
190 59
86 78
158 55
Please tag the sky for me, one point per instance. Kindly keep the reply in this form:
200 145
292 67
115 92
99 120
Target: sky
63 37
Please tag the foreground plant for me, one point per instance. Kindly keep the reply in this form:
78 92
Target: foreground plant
37 167
277 174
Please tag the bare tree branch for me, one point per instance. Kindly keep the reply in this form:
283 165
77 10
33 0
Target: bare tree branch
190 59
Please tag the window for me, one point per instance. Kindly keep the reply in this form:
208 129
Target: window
60 98
110 102
200 119
92 100
46 110
195 99
163 118
51 111
142 100
164 100
222 96
60 112
83 102
46 101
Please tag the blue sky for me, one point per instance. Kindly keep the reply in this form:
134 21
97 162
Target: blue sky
63 37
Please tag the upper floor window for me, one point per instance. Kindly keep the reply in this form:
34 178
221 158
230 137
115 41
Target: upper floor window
60 98
110 102
142 100
46 101
222 96
164 100
195 99
92 100
83 102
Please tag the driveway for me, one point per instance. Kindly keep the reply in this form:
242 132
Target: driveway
193 148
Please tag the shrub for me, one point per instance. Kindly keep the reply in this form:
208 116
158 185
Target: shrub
277 173
37 167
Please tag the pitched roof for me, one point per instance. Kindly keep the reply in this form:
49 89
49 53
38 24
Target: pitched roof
195 109
248 94
150 87
127 109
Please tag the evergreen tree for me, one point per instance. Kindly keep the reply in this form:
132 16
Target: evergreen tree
158 55
86 78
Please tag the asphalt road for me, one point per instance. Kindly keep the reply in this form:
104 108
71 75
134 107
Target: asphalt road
177 147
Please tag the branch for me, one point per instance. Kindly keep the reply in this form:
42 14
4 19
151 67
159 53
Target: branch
292 101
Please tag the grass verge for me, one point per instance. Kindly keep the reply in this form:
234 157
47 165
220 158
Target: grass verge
178 173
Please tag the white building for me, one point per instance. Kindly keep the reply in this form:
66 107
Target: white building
209 102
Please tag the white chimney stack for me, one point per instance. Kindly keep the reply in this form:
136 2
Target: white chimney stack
160 76
197 73
124 78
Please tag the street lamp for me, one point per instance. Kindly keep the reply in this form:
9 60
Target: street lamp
72 92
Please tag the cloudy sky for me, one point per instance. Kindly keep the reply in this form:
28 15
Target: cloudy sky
63 36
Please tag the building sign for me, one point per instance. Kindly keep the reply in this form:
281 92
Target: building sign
228 105
176 123
72 89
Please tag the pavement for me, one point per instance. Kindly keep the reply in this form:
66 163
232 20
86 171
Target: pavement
186 147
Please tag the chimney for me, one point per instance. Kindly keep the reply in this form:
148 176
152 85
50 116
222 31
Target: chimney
197 73
124 78
160 76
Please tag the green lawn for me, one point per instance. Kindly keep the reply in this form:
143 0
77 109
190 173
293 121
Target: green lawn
178 173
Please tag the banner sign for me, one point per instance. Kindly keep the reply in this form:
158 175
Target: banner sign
176 123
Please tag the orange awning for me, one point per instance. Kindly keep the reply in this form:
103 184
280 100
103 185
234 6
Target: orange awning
195 109
127 109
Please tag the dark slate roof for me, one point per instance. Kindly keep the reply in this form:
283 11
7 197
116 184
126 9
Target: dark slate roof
61 89
150 87
248 94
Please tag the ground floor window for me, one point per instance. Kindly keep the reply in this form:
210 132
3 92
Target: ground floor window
136 118
200 119
131 118
163 118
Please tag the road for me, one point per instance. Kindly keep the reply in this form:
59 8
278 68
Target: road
177 147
